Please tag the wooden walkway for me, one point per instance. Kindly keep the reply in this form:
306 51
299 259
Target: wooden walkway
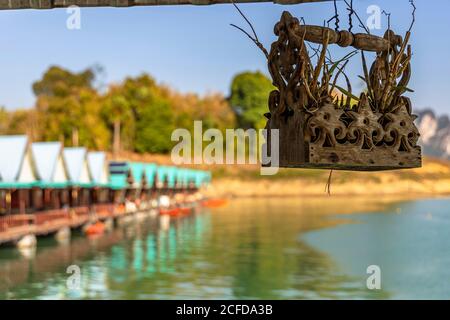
14 227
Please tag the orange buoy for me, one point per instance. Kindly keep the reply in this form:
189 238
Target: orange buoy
178 211
95 229
169 212
214 203
185 210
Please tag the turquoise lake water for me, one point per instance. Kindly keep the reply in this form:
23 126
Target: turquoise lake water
410 244
250 249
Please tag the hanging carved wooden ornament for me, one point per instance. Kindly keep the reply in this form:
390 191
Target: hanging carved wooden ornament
322 125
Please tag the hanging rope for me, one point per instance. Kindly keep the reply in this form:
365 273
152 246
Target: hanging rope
361 23
350 14
335 17
328 185
388 15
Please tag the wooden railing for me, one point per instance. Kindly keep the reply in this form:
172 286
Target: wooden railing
52 215
15 220
104 210
80 212
51 220
119 210
79 216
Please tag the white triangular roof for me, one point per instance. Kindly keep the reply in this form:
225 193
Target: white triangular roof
15 159
77 165
49 162
98 167
26 173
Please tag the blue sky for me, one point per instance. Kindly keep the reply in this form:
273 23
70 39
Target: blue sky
193 48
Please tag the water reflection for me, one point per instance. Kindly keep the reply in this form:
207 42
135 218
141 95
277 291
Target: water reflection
250 249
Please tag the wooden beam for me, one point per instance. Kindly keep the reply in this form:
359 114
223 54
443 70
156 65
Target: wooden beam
50 4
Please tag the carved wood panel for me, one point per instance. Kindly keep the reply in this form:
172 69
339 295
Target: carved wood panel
318 130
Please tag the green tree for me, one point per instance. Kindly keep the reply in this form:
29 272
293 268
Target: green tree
118 115
57 81
154 126
213 109
68 108
137 114
22 121
152 114
3 120
249 98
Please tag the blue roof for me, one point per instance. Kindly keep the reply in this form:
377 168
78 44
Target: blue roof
118 175
171 176
137 171
180 176
118 181
189 176
118 167
167 174
13 153
97 167
161 172
202 177
150 173
183 177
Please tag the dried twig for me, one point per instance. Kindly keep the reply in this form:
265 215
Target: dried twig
328 185
316 50
361 24
317 53
349 90
413 15
340 70
245 18
255 38
320 62
367 80
257 43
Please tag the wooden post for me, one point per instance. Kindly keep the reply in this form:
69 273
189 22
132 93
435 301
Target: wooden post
8 199
74 197
37 199
47 199
49 4
64 197
75 137
55 198
21 196
116 142
2 201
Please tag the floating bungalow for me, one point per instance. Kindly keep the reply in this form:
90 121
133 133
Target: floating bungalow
82 191
102 193
151 184
17 177
46 188
52 178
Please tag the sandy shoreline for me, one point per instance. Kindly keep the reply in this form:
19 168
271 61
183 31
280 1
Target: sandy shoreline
235 188
245 181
